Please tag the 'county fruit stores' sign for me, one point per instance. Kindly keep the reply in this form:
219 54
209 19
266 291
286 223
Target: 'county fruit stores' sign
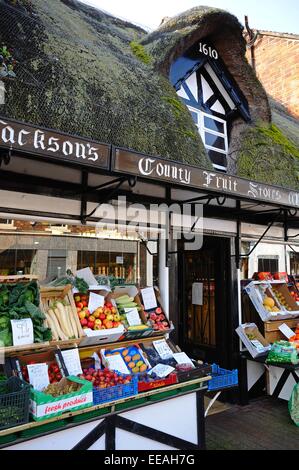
50 144
173 172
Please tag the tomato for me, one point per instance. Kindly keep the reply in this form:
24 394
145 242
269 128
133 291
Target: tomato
58 376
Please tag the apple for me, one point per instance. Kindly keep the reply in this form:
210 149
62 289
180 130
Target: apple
102 316
153 316
97 322
90 325
84 303
109 317
96 314
164 323
109 324
92 318
108 305
155 326
77 298
158 310
79 305
116 317
162 317
114 310
97 327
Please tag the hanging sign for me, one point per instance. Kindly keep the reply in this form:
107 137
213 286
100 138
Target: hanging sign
177 173
23 137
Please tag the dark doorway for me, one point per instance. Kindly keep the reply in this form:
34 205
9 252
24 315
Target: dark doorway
206 327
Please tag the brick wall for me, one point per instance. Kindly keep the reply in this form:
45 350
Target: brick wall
277 67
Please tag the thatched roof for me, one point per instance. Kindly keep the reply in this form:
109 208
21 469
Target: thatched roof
78 73
85 72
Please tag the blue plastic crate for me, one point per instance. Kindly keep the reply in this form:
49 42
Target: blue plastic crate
103 395
222 378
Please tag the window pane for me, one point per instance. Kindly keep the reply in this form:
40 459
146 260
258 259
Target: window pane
217 158
194 117
214 125
214 141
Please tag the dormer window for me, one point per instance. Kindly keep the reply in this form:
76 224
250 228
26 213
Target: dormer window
212 97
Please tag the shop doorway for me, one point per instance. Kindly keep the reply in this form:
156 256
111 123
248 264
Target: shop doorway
205 316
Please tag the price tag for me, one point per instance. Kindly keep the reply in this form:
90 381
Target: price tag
38 376
95 301
182 358
286 330
257 345
133 317
119 260
97 361
22 331
149 298
162 370
163 349
116 362
72 361
197 289
87 275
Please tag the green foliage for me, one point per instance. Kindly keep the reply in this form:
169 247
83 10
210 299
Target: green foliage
140 52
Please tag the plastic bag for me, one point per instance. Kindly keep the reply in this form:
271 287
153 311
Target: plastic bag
294 405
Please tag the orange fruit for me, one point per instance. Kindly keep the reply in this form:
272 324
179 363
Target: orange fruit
127 358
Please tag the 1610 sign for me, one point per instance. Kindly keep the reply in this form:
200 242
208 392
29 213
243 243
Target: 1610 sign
207 50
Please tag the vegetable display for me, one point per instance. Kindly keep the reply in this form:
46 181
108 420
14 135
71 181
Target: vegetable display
18 301
63 387
63 321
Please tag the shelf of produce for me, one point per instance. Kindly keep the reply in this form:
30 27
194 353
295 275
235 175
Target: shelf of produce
115 407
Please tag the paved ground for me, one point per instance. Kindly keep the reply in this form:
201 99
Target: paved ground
264 424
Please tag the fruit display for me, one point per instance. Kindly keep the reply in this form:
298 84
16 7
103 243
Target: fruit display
62 320
132 357
281 299
53 372
155 359
157 319
295 295
103 318
269 304
295 339
63 387
105 378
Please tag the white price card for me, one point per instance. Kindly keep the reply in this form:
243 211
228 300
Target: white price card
149 298
197 290
119 260
97 361
38 376
163 349
87 275
257 345
116 362
72 361
182 358
133 317
95 301
22 331
286 330
162 370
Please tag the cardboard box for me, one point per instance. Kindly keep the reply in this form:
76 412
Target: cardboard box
282 288
98 337
256 291
258 345
272 332
43 406
132 291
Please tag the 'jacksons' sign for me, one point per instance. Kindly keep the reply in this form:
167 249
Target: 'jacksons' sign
52 145
176 173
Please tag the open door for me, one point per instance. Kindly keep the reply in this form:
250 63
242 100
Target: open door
204 315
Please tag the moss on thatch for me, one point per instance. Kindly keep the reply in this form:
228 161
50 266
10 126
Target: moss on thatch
267 155
164 43
78 73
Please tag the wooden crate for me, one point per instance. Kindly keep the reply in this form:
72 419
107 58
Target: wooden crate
22 278
272 332
63 293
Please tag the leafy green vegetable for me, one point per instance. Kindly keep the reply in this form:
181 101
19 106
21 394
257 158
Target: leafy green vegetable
81 285
5 337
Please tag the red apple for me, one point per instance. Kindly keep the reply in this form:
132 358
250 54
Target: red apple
158 310
83 322
90 325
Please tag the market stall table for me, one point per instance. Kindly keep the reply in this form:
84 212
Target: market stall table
168 418
280 377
